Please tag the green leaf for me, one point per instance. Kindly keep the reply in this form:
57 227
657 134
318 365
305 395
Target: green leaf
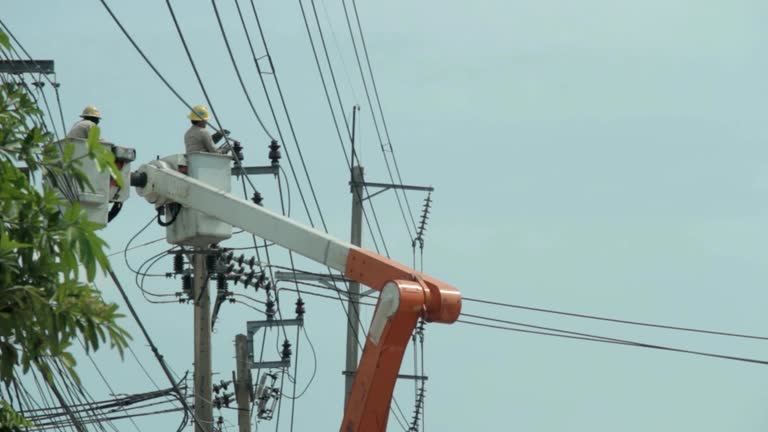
4 40
93 138
10 420
69 151
7 244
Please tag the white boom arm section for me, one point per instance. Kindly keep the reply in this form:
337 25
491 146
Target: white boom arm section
164 184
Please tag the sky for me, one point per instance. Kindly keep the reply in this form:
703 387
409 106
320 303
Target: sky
599 157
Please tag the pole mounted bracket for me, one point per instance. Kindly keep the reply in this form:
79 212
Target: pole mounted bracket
387 186
253 327
26 66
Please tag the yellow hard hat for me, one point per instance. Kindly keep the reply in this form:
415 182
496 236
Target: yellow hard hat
91 111
198 113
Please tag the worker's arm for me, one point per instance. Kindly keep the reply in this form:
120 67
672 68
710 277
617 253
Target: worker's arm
207 141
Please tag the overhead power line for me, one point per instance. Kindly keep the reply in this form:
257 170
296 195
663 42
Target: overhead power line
381 110
152 346
350 130
620 321
144 56
373 117
342 304
550 331
237 70
21 47
335 120
149 62
274 115
569 334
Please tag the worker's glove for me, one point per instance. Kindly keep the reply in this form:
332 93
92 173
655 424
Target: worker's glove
219 135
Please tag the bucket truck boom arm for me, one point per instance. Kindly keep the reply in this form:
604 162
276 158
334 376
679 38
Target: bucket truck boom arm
405 295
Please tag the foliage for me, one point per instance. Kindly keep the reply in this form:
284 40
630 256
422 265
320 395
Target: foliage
10 421
45 302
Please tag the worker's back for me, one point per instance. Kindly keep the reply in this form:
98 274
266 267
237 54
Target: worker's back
81 129
197 139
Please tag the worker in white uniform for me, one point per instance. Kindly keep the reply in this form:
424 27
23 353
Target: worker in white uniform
90 118
197 139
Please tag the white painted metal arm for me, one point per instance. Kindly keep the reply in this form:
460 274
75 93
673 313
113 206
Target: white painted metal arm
165 184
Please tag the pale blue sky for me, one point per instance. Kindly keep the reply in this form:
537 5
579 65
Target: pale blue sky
601 157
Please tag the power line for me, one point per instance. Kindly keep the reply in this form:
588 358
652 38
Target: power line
238 163
381 111
287 114
144 56
335 121
314 366
127 402
373 116
77 393
104 379
274 115
350 130
308 32
337 45
152 346
155 70
54 425
147 60
208 100
10 33
194 68
620 321
138 246
326 296
237 70
39 86
549 331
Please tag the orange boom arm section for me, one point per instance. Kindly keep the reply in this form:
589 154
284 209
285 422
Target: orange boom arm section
405 296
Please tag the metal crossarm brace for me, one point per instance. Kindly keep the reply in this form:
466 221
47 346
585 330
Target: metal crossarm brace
253 327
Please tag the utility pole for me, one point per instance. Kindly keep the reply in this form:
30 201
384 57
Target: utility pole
203 385
353 306
243 384
357 186
356 238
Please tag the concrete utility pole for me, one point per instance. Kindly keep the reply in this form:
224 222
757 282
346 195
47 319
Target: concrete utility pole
203 385
358 185
353 307
242 384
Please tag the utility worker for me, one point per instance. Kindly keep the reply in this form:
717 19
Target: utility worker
197 139
90 118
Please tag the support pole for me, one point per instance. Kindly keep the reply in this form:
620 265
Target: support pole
353 307
242 384
203 385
